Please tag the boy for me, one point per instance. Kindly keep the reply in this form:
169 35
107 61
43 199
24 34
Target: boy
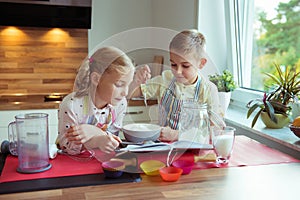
183 82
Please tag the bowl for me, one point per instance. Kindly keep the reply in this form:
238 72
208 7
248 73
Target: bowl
151 167
113 168
139 132
295 130
185 165
170 173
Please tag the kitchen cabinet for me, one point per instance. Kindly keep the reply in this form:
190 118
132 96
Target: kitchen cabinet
141 114
138 112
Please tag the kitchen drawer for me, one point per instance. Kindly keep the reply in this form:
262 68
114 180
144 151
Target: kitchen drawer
141 114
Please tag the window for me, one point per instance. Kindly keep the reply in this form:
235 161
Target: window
261 33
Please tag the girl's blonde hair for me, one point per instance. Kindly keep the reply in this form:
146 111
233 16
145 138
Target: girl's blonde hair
189 41
104 60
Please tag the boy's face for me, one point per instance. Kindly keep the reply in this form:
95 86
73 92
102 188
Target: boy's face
112 88
184 67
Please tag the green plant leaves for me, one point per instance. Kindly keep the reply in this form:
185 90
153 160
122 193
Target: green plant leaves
285 88
224 82
256 117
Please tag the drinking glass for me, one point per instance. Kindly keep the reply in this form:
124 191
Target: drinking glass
223 141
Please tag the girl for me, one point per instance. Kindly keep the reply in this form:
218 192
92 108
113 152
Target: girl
182 82
92 115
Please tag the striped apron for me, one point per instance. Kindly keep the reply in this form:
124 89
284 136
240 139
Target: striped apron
170 106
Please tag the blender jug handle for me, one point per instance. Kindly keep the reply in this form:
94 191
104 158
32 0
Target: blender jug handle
216 120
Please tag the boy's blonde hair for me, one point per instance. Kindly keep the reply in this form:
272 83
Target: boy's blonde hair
104 60
189 41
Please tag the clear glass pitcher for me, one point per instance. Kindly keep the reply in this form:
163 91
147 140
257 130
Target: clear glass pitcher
195 122
29 140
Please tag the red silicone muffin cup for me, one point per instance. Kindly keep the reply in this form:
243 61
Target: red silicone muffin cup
170 173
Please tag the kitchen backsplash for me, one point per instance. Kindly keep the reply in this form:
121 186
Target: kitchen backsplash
39 61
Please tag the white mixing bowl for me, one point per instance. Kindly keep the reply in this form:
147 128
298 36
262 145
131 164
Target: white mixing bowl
140 132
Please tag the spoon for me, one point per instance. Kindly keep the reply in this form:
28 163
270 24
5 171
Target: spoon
132 143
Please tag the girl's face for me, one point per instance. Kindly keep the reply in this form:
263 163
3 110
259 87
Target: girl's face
112 88
184 68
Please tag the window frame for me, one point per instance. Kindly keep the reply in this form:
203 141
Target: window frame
238 21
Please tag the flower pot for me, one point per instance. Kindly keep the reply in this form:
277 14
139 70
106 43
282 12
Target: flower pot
282 120
224 100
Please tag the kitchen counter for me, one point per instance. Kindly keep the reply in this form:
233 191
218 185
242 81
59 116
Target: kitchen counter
37 101
27 102
275 181
267 181
29 106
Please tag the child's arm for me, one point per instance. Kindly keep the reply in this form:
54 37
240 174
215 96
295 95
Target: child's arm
213 100
80 134
93 137
142 74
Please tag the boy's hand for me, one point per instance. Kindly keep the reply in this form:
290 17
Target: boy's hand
142 74
168 135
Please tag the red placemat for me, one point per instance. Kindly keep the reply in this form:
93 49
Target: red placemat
62 165
250 152
246 152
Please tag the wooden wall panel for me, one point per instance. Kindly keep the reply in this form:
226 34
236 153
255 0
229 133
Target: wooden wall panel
39 61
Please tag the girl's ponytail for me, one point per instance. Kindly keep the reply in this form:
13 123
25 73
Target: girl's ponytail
82 81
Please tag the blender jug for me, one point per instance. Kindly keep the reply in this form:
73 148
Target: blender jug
32 142
13 139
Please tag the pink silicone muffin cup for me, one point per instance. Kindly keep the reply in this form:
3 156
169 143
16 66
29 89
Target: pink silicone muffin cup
113 165
113 169
185 165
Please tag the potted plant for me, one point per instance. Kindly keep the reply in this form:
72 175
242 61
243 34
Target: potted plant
224 81
225 84
295 107
274 108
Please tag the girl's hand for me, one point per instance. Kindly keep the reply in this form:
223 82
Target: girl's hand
108 142
93 137
168 135
80 134
142 74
